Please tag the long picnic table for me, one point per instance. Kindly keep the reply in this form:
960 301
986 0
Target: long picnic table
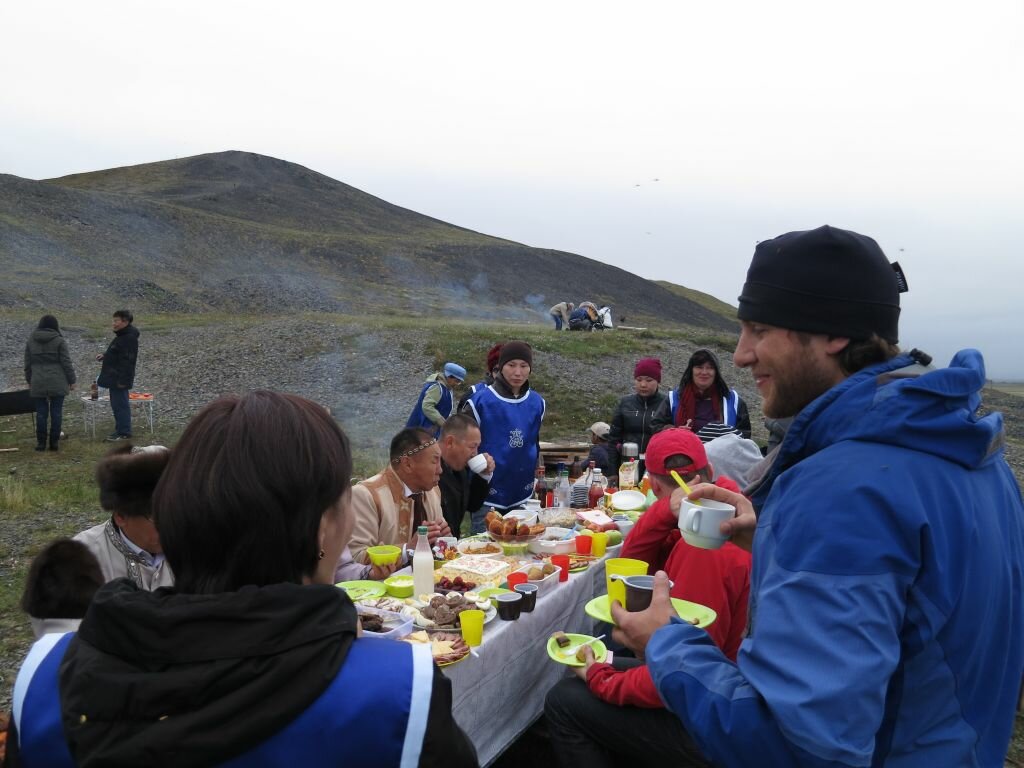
497 695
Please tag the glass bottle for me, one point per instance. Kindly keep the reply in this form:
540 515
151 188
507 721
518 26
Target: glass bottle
422 565
563 491
540 487
598 485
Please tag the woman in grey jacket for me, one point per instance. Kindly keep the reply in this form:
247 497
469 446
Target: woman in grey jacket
50 377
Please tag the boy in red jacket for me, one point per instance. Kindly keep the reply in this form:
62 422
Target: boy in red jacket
717 578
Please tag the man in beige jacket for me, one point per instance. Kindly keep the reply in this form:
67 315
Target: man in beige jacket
128 545
389 505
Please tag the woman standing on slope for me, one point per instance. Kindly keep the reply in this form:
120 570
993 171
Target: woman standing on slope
509 414
50 377
703 398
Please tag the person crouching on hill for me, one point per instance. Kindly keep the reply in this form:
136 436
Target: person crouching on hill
510 413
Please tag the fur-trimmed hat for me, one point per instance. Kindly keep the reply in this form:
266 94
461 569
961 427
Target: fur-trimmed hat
127 477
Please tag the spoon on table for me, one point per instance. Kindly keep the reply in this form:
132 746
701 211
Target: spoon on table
572 650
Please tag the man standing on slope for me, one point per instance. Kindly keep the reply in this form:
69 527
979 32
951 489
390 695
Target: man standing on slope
118 372
887 596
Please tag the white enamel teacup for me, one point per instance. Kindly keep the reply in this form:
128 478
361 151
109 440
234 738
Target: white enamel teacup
699 523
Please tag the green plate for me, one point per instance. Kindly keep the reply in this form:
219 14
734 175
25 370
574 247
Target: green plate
360 590
492 591
599 609
574 640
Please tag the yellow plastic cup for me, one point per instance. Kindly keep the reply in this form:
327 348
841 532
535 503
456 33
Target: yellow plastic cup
472 627
621 566
600 542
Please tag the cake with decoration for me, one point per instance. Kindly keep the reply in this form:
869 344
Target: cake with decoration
483 571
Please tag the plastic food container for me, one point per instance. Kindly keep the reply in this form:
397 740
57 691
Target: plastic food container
399 585
544 585
553 542
400 625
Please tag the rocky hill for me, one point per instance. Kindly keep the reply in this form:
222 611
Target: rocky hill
237 231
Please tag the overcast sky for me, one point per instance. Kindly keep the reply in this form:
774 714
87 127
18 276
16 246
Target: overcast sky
666 138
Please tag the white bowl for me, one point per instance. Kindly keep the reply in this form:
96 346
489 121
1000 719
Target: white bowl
627 500
466 547
552 542
401 625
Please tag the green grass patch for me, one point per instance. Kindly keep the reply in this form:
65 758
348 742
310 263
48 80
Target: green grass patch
1009 387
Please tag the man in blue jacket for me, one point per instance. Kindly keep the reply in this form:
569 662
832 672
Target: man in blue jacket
887 594
436 401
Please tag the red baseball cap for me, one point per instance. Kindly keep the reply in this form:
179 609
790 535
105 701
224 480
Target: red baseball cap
672 442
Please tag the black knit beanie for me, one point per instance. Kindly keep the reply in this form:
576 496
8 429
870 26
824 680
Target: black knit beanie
515 350
824 280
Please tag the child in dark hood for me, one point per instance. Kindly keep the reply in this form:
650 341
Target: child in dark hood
703 398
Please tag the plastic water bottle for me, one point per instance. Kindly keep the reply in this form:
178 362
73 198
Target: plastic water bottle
563 491
422 564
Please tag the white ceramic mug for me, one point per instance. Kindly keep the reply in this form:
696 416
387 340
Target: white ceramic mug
478 463
699 523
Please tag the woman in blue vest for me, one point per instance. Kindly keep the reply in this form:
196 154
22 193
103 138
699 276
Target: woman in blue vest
253 658
703 398
509 414
436 402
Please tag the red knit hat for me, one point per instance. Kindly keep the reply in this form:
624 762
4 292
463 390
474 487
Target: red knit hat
672 442
648 366
492 357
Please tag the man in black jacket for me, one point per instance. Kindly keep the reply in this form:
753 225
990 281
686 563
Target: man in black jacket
462 490
118 372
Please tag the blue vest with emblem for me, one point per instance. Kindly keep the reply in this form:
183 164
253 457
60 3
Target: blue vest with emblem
374 712
509 431
444 406
730 402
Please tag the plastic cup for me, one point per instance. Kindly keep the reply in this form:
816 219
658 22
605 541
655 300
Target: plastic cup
472 627
515 578
509 605
583 545
621 566
562 563
529 593
600 541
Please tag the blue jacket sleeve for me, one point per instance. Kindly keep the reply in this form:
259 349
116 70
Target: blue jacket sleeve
809 685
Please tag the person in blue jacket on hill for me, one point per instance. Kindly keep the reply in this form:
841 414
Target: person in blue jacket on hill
253 658
436 402
510 413
887 593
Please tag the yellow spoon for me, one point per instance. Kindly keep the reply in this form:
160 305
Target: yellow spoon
683 485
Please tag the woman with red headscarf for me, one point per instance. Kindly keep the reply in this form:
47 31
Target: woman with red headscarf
703 398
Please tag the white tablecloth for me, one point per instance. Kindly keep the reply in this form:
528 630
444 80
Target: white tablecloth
497 696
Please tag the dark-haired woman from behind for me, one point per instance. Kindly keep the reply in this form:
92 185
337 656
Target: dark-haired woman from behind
253 658
50 376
